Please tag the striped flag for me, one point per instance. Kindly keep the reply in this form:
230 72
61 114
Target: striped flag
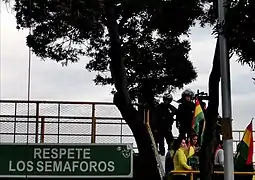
197 118
244 153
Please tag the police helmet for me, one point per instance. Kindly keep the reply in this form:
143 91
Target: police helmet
187 92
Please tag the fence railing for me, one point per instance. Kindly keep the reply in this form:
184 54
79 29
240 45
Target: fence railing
66 122
62 122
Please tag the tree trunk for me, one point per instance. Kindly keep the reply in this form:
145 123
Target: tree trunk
122 101
211 115
147 99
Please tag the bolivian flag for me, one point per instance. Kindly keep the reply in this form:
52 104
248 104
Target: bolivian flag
244 153
198 117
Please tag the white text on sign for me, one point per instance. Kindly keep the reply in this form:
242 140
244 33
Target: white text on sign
61 160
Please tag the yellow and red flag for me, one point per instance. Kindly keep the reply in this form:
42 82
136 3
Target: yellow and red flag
198 116
245 149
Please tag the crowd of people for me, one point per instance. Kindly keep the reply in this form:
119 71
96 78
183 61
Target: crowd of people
182 152
184 156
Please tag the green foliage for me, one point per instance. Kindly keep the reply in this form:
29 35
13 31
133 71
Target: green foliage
155 57
240 27
64 30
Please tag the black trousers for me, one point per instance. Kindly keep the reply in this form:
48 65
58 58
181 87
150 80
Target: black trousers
185 129
162 135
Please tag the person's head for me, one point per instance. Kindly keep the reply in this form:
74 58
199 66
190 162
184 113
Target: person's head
183 144
194 140
203 105
220 145
187 95
167 98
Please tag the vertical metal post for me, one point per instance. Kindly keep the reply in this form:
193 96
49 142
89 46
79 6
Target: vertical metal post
15 122
226 96
42 129
148 117
191 176
37 122
28 123
93 125
58 121
121 130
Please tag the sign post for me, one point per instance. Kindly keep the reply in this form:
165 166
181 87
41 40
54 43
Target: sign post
66 160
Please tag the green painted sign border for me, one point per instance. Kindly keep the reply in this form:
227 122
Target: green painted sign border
71 176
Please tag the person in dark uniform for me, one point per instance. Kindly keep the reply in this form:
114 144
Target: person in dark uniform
185 114
164 120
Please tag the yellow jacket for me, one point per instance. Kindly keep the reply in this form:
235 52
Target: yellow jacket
191 151
180 161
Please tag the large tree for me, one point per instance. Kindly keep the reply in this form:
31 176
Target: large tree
61 28
118 36
154 61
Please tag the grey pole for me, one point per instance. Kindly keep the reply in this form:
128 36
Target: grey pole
226 98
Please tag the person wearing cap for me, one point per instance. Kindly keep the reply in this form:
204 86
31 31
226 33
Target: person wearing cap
164 120
185 113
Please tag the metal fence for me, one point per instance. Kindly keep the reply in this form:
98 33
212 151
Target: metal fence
62 122
66 122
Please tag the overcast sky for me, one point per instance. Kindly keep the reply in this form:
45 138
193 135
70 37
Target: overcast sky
51 81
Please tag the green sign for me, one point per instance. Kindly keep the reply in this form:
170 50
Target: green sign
66 160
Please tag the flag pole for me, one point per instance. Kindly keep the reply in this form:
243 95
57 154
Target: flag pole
226 96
